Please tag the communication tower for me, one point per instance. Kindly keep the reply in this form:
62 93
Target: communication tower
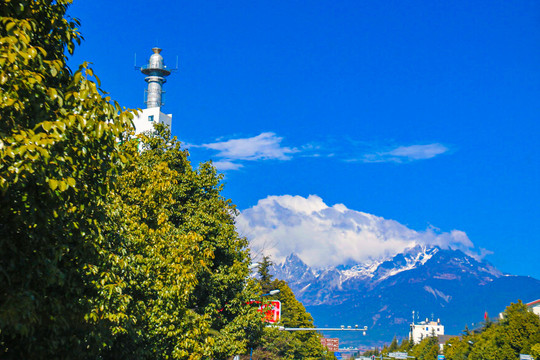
156 73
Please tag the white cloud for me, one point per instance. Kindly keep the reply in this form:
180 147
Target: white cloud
323 235
407 153
264 146
232 154
227 165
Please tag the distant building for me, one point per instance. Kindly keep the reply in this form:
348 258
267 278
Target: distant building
425 329
534 306
443 339
156 73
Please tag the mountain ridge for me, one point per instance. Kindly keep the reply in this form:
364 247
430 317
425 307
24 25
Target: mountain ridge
382 293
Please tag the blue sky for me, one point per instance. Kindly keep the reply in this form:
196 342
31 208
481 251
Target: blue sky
422 112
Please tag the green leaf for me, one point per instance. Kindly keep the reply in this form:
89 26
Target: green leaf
10 26
53 184
52 93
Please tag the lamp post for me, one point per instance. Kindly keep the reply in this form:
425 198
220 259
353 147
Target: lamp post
342 328
270 293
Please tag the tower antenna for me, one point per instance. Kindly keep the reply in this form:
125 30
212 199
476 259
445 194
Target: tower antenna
156 73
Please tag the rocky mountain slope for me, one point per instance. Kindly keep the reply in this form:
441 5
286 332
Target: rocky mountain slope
382 293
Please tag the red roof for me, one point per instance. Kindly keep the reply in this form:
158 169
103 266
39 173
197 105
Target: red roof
535 302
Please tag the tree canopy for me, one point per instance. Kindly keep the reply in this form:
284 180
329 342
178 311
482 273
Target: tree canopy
264 274
109 247
278 344
518 332
185 269
58 153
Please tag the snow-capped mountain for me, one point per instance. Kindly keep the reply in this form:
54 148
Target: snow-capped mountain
382 293
311 284
351 267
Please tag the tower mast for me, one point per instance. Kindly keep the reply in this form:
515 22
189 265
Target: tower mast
156 73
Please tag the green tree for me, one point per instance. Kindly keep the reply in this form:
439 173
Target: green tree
535 351
522 327
405 345
374 352
491 344
186 268
277 344
466 331
263 272
105 251
458 349
58 153
518 332
393 345
427 349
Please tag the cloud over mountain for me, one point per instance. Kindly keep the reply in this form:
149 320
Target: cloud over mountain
323 235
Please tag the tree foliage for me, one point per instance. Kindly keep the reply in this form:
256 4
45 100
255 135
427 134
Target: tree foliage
517 333
278 344
405 345
427 349
185 267
373 352
58 152
264 274
106 251
393 345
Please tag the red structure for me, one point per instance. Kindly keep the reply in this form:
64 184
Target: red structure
271 311
331 343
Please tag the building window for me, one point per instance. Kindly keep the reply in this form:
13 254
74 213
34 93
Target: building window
150 117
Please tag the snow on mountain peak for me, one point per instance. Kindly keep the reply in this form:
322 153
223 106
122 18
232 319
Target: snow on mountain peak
293 269
408 260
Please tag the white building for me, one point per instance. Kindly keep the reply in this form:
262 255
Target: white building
145 120
156 73
425 329
534 306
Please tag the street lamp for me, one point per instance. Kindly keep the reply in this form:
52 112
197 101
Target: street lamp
342 328
271 292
